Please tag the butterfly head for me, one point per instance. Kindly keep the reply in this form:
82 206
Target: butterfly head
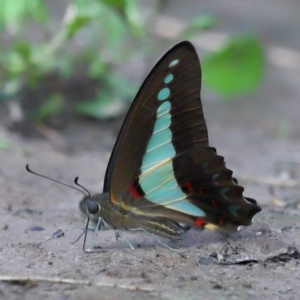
93 206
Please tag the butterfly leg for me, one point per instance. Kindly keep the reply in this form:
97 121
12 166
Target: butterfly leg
156 239
98 226
120 234
117 234
79 237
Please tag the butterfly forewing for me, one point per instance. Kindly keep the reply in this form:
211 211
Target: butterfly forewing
171 90
162 165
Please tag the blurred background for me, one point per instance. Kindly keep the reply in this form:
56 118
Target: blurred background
69 70
68 73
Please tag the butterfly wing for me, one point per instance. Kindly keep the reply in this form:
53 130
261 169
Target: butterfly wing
161 164
209 185
137 129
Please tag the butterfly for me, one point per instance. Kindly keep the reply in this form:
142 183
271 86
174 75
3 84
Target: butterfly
162 176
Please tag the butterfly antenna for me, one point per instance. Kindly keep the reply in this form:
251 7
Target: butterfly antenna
70 186
76 182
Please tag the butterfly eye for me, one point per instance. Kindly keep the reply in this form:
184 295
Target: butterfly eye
93 207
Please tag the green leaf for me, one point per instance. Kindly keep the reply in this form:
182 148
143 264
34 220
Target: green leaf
81 4
38 10
98 69
23 49
53 106
237 68
114 29
119 4
133 16
13 12
75 24
15 63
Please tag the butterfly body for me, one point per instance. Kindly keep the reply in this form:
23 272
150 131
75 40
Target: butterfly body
162 172
122 219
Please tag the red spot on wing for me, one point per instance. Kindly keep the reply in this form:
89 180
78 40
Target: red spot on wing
221 222
199 222
132 190
188 186
214 203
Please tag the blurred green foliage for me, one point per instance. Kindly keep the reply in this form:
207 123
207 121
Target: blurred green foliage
236 68
98 35
53 106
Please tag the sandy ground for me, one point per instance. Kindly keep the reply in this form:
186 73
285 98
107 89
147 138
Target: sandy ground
258 135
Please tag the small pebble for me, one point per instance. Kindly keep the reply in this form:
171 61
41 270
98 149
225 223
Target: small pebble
36 228
286 228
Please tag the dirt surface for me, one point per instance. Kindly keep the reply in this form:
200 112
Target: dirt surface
259 135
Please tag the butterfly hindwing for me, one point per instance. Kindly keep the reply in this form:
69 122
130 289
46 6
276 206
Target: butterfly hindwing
203 175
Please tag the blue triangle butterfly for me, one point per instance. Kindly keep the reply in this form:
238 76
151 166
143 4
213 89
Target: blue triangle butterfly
162 173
